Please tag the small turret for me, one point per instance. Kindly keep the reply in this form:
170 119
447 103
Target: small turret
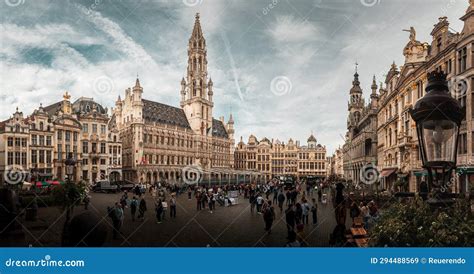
374 98
137 91
209 87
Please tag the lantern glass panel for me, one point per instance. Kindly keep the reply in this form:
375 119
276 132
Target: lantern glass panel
439 138
70 170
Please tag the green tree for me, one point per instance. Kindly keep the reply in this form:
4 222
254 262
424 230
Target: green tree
416 224
67 196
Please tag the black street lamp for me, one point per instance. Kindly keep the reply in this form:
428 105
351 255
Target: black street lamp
438 117
70 165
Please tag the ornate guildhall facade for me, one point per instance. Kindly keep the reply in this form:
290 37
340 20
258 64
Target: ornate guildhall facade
158 140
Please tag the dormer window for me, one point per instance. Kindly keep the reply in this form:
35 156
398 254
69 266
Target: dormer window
438 44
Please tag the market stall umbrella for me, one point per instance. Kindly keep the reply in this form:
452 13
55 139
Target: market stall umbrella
42 184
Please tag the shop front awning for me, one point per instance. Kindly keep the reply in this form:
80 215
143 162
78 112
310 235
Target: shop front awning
465 170
420 173
387 172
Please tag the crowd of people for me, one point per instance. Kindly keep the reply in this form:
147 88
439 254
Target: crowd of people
296 204
137 205
367 211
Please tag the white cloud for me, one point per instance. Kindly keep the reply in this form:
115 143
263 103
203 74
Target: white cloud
290 29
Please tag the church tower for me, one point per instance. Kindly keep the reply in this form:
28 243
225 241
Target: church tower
356 103
196 89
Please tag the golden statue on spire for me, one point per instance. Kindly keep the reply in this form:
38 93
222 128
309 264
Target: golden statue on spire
66 96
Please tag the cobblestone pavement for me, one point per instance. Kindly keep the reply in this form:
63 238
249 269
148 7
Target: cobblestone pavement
233 226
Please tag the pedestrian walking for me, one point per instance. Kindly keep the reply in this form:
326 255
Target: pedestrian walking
198 201
305 212
275 195
314 211
268 217
133 207
281 200
142 209
290 218
86 201
288 197
159 211
211 201
253 202
259 203
117 219
298 213
172 207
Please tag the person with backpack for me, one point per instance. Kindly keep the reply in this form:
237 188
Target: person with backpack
268 217
133 207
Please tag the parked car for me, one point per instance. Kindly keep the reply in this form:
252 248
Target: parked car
105 186
126 185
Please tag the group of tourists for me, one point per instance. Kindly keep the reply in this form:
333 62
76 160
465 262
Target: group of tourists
117 212
367 211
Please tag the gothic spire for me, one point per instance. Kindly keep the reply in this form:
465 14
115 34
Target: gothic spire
197 31
374 84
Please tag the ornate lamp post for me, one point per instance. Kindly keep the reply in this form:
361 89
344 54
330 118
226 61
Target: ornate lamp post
70 165
438 117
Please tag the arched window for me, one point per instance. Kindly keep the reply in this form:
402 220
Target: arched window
41 126
389 136
200 89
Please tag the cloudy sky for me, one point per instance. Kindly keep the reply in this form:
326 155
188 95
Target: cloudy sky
283 68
